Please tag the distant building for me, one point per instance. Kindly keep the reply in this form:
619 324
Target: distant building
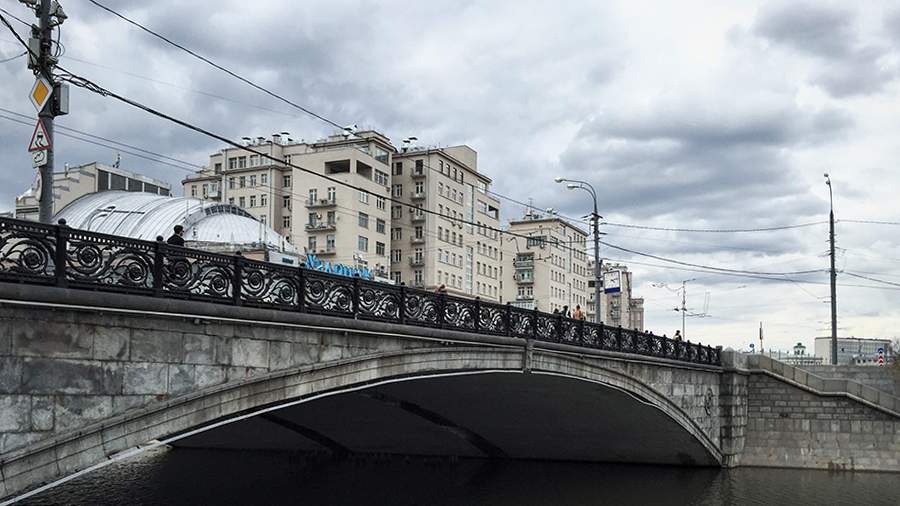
75 182
330 220
619 307
548 269
429 245
796 357
854 350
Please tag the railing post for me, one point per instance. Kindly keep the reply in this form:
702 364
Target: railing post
618 337
159 251
558 332
477 322
355 296
579 333
59 259
301 288
508 318
534 323
238 261
402 303
442 308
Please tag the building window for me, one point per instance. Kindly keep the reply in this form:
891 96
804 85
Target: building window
379 248
242 162
218 168
262 219
381 155
363 197
252 181
313 195
263 178
396 212
313 219
398 190
420 166
286 181
420 187
232 163
396 234
379 225
263 200
193 190
231 200
398 168
254 160
417 276
396 255
242 181
380 203
329 242
332 194
252 200
382 178
395 277
363 220
241 202
419 232
286 202
312 243
286 222
231 183
362 243
287 159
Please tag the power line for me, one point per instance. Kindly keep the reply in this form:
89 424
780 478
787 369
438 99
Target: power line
216 65
715 230
11 58
870 222
20 20
870 278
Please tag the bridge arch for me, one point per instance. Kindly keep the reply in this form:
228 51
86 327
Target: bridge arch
549 375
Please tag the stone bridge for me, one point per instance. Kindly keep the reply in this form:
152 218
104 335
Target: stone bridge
91 373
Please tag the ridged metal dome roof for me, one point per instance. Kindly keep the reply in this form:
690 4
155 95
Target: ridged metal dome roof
146 216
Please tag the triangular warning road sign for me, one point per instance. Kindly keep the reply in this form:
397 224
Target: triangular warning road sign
39 139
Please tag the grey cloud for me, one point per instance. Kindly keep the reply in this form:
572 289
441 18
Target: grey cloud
846 65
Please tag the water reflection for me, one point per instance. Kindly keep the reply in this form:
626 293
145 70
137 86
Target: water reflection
240 477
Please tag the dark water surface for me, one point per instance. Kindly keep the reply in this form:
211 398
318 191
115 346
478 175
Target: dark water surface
198 477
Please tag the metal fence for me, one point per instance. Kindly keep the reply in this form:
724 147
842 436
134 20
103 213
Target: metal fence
58 255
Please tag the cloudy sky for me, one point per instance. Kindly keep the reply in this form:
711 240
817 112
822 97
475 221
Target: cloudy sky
682 114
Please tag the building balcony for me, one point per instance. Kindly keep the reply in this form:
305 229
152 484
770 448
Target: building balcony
416 262
529 263
320 227
312 204
326 251
417 240
524 281
417 173
418 196
417 218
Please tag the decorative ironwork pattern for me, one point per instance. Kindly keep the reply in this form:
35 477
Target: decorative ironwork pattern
44 254
27 251
93 258
265 284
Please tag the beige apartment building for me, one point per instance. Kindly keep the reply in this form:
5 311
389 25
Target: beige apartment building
619 306
325 218
549 269
429 249
75 182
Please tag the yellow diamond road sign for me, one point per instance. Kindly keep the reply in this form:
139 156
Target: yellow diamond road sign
41 93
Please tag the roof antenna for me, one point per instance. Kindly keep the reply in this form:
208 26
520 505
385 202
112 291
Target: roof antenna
118 160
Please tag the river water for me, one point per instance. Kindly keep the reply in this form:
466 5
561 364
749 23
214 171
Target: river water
199 477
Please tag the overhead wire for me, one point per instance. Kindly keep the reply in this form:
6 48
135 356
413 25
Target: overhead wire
216 65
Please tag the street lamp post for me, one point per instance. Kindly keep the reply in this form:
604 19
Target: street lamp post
834 345
598 279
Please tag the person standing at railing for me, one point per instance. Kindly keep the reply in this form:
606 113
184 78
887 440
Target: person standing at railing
565 311
441 290
677 335
177 239
578 314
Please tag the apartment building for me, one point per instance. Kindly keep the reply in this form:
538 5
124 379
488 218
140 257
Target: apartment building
336 223
74 182
618 305
547 269
430 246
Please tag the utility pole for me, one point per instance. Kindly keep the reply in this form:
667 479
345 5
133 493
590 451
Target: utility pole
598 267
683 308
834 345
761 349
49 98
45 69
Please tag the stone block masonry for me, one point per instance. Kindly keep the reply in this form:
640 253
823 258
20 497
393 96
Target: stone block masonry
791 427
60 370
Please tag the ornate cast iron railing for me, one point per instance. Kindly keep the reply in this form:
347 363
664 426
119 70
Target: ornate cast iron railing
58 255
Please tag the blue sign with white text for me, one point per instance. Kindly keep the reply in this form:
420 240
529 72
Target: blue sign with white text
315 263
